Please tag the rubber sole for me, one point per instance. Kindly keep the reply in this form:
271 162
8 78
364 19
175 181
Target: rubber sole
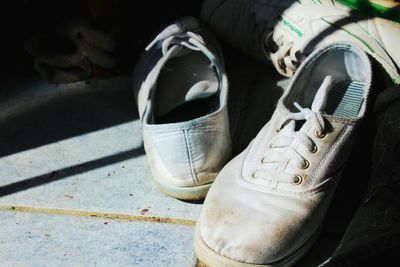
210 258
184 193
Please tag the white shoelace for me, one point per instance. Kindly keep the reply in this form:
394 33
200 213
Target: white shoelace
173 39
179 34
284 147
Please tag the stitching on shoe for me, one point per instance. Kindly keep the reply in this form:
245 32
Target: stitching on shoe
197 123
189 157
192 129
301 195
259 188
331 148
178 133
341 120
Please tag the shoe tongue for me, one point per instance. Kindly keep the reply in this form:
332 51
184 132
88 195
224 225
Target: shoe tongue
318 105
199 90
319 102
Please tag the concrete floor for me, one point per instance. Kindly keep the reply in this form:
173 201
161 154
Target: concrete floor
75 186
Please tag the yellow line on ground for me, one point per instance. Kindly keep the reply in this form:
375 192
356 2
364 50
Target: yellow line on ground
92 214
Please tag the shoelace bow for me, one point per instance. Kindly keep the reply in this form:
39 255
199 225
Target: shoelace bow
284 147
181 33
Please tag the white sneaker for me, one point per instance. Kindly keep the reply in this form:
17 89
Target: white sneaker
266 206
181 88
284 32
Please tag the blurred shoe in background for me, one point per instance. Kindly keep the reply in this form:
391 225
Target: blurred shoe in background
284 32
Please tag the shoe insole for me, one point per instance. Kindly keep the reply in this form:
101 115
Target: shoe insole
190 110
345 99
187 88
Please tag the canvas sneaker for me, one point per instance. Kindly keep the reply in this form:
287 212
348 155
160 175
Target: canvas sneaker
284 32
266 206
181 90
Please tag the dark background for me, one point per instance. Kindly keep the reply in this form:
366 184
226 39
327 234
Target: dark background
131 23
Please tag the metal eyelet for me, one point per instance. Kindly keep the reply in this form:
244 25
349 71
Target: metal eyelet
319 135
270 146
314 149
298 179
253 175
305 165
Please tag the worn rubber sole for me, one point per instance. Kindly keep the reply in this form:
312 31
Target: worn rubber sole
184 193
210 258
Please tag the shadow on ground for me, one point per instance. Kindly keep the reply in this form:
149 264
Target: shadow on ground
34 113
